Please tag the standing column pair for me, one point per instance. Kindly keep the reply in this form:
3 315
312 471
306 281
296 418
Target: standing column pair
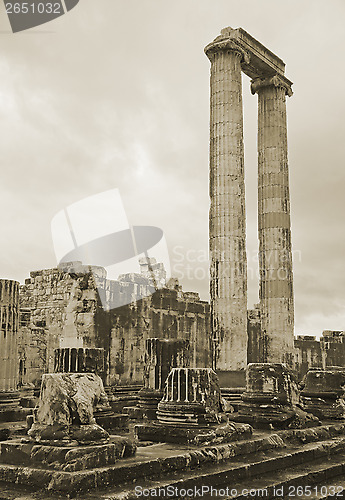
228 262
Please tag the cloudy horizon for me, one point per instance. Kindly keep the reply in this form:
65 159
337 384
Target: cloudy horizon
116 95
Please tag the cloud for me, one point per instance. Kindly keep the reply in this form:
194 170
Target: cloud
116 95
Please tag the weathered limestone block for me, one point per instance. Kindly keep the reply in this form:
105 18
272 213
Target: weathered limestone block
65 409
272 398
67 458
323 392
161 355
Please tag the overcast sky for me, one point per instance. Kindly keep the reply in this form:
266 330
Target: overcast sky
115 94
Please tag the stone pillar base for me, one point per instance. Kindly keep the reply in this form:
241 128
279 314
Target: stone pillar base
191 411
271 399
323 392
73 435
148 402
191 397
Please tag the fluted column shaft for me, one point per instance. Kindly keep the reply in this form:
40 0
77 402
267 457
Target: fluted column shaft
227 229
276 280
9 317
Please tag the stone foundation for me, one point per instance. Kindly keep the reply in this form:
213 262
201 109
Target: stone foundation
201 435
272 399
161 355
66 458
191 411
323 392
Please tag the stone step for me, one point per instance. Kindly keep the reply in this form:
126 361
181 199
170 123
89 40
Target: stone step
328 493
240 473
309 480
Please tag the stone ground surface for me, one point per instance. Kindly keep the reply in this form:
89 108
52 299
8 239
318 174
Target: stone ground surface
268 460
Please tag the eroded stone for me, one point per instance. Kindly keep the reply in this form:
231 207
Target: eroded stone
65 409
323 392
272 399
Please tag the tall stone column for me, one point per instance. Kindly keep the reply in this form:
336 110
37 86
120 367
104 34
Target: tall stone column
9 363
227 229
276 280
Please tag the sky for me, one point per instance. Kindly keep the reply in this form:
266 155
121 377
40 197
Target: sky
115 94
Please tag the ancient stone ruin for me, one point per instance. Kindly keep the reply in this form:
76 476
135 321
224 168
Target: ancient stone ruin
191 411
166 390
65 411
161 356
272 399
9 307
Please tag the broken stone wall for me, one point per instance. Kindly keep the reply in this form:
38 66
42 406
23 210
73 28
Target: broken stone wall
328 351
308 354
333 347
56 307
60 308
167 314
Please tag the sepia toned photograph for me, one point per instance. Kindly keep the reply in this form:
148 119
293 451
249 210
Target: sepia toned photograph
172 293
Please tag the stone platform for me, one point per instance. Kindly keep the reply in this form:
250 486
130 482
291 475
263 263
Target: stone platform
14 415
180 466
69 458
10 409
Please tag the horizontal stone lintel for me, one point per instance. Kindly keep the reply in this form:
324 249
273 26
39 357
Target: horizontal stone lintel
262 62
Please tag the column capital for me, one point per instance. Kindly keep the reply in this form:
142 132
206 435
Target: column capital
273 81
221 44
